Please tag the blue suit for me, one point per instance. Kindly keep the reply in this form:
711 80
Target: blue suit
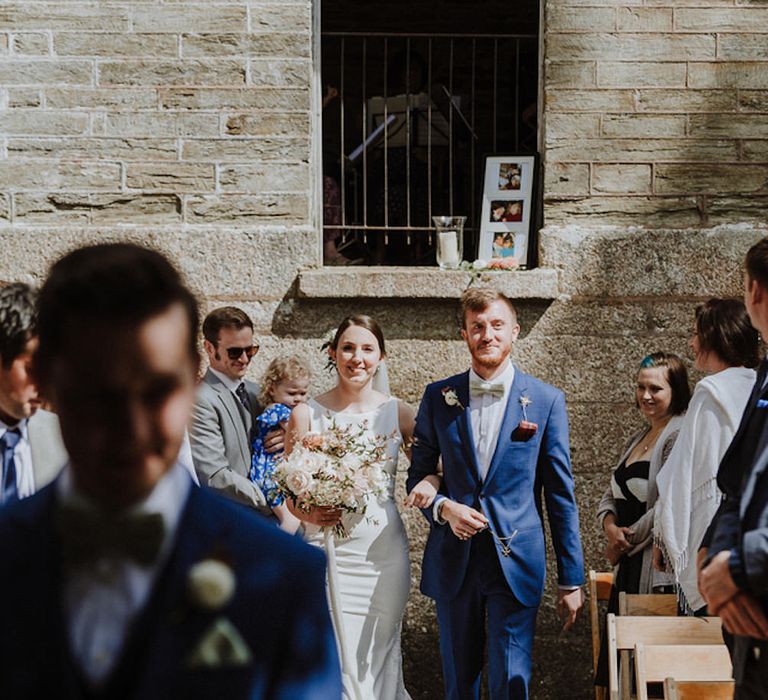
279 609
469 579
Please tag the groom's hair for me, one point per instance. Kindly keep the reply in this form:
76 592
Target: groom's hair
18 318
756 263
479 299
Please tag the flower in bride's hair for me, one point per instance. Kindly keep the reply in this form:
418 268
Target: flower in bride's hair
211 584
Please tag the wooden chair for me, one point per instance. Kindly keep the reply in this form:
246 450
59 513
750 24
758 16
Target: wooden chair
625 632
647 604
698 690
656 663
599 590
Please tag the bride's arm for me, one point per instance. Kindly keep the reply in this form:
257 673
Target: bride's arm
407 419
298 426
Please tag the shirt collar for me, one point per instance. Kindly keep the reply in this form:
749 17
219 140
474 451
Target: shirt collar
506 377
228 382
22 425
167 498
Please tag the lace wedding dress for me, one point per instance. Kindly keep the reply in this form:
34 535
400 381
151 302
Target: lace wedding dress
368 572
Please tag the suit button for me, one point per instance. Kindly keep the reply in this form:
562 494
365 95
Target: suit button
756 653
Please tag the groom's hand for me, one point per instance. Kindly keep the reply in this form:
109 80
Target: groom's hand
464 521
569 603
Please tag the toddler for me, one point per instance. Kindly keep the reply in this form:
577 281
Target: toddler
284 386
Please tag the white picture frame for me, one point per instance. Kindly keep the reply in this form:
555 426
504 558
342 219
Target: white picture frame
507 210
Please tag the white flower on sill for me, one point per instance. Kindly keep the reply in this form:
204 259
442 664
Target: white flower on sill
480 264
211 584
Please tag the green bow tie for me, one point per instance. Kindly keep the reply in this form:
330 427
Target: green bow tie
480 388
88 535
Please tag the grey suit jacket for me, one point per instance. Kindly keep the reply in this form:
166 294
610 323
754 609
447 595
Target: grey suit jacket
220 435
48 452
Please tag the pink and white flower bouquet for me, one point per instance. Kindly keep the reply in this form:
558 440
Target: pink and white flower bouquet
339 468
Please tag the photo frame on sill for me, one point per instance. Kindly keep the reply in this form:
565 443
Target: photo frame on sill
507 213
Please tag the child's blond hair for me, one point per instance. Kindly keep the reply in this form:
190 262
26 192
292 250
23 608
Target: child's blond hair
281 369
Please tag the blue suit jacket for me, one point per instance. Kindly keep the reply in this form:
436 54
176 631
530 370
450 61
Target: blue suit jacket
279 608
510 495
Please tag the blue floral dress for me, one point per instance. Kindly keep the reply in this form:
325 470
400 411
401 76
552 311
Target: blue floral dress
262 463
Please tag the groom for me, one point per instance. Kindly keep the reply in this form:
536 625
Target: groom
503 439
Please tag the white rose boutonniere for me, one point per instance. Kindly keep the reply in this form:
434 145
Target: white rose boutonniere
451 398
211 584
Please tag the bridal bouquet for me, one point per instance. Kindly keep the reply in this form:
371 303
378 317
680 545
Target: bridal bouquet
339 468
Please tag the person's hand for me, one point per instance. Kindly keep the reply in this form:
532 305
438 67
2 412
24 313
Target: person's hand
274 440
612 555
658 559
617 537
743 614
716 584
569 603
465 522
422 495
322 516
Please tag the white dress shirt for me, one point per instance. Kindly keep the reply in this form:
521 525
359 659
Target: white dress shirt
22 459
102 598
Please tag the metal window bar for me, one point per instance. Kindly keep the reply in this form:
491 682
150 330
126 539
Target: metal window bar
461 160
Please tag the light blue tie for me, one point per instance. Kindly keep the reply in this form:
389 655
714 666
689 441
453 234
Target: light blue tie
479 388
9 441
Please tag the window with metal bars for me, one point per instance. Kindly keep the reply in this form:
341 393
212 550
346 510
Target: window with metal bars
408 119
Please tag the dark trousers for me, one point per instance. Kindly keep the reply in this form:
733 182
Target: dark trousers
485 599
750 666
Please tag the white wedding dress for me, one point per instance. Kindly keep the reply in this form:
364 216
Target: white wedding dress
368 572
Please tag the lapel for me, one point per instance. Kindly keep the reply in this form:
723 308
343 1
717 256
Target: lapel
465 426
513 414
751 481
237 414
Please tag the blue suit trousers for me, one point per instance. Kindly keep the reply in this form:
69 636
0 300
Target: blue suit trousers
485 595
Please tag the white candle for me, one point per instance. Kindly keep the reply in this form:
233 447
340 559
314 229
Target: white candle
448 247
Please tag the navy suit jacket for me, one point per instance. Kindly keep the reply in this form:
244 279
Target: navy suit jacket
510 496
279 609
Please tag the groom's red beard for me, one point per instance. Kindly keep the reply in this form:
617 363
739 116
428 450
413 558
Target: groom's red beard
488 361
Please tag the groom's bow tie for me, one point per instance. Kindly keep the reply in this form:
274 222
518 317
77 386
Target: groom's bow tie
88 535
479 388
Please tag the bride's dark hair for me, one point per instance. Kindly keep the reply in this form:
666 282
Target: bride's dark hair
364 322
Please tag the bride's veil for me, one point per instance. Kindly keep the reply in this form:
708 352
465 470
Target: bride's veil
381 378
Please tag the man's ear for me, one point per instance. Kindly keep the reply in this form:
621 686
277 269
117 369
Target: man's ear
463 332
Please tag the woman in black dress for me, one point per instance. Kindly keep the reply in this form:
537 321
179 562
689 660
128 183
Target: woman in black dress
626 509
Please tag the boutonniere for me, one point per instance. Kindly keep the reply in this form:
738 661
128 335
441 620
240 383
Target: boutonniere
526 430
451 398
762 403
211 586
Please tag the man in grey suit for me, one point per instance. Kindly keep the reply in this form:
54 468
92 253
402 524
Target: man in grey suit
226 408
734 578
30 440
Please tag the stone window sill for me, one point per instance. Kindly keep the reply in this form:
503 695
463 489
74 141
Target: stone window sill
420 283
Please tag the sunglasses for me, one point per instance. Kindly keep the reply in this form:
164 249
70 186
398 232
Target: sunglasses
236 353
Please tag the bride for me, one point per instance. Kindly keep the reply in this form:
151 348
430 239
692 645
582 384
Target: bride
368 569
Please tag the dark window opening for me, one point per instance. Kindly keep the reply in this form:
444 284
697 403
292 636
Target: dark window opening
417 94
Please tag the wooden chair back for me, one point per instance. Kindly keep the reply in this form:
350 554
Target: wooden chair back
600 584
656 663
698 690
625 632
647 604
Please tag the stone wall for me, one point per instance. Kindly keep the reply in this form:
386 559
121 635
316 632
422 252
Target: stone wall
189 121
655 112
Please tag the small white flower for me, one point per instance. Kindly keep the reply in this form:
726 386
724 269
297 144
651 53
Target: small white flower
525 401
480 264
211 584
450 397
